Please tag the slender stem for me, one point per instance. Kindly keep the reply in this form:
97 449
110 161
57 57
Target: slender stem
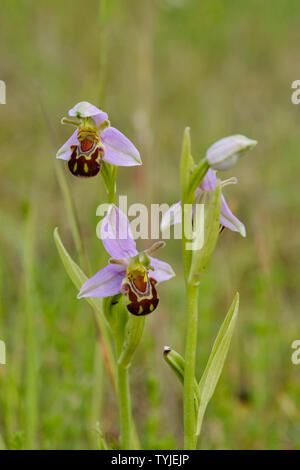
97 393
192 316
125 350
112 191
125 406
31 393
109 176
190 177
189 372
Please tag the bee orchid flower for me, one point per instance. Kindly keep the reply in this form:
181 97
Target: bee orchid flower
95 141
133 274
227 219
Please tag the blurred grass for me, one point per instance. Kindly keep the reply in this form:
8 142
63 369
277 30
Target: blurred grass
222 68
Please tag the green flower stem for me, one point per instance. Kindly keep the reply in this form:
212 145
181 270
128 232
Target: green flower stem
127 330
192 301
133 333
125 406
189 372
191 176
112 192
186 166
97 393
109 175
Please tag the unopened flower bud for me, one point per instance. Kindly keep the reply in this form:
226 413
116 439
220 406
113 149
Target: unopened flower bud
224 153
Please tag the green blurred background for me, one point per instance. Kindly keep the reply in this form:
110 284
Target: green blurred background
220 67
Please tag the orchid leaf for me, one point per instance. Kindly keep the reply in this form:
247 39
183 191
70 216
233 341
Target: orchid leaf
216 360
76 274
78 277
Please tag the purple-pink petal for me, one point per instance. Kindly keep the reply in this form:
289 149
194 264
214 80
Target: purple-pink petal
118 149
86 109
65 151
105 283
116 234
162 271
229 220
209 181
100 118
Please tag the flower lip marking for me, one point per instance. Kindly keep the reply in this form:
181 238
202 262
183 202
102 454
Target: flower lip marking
139 280
85 160
141 299
86 145
86 163
138 288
